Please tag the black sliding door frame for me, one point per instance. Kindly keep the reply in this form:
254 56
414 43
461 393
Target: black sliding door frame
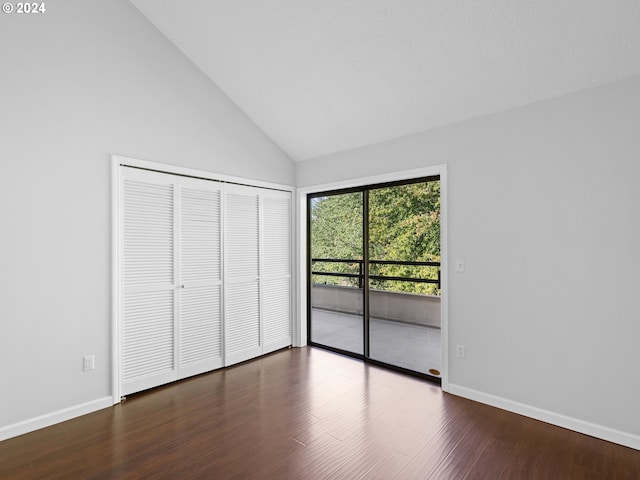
364 274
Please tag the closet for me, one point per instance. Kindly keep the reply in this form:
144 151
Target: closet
204 275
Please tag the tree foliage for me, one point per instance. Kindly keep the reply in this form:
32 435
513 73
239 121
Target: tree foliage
404 225
336 232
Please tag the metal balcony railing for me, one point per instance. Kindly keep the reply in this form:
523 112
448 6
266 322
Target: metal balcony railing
360 274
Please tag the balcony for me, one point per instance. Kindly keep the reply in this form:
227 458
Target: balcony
404 327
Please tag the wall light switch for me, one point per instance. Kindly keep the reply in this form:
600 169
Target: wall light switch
459 265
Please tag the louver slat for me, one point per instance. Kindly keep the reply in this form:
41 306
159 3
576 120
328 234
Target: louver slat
148 334
276 305
147 231
200 326
199 236
277 236
242 317
242 243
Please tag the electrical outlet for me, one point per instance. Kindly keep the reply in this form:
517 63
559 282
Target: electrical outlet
88 362
460 351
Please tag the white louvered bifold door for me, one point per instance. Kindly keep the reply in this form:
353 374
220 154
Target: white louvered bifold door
204 273
243 332
276 275
148 293
200 277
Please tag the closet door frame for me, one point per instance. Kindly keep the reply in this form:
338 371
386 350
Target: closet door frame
117 164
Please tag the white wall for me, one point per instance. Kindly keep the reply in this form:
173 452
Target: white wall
78 83
543 207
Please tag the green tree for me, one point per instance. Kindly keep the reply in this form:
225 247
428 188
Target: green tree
404 225
336 232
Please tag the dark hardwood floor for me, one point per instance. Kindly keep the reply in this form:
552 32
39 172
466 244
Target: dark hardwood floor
309 414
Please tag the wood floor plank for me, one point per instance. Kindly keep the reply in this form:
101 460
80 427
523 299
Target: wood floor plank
319 459
308 414
377 461
465 453
495 450
443 441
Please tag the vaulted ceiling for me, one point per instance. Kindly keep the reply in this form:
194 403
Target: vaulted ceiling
321 76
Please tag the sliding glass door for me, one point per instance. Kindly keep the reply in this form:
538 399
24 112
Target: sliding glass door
404 264
374 289
336 247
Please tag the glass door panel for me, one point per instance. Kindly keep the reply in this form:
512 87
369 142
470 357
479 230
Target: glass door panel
374 286
336 287
403 269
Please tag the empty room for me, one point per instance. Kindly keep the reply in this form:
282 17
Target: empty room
333 239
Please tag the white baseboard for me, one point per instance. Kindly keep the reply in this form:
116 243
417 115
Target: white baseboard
591 429
52 418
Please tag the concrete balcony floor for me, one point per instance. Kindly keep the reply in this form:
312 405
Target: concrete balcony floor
414 347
